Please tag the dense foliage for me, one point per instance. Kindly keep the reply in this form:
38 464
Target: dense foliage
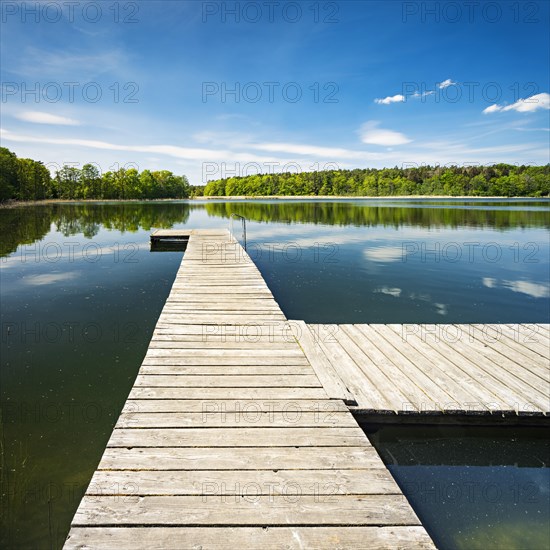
502 180
26 179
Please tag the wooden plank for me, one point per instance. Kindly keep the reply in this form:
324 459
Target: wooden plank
486 373
478 397
218 289
323 407
238 437
228 393
333 384
259 353
217 309
220 360
402 372
275 538
380 373
254 482
535 364
206 301
217 319
240 458
525 395
245 510
224 381
278 330
535 337
247 418
366 395
171 341
441 390
171 233
198 370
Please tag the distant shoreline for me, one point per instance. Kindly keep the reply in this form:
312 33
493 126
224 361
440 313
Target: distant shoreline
355 197
15 204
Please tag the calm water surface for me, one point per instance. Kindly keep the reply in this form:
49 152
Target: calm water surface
473 488
81 293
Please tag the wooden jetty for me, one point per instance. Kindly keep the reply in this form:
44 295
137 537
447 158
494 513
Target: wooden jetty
229 438
423 373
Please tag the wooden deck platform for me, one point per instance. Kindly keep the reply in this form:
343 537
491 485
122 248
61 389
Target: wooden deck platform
228 438
423 372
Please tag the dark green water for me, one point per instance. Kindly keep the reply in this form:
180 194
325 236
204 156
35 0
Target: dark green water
81 293
474 488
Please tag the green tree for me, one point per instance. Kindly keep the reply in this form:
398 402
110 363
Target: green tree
9 182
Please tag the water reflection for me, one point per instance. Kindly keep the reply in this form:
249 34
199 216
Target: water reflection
27 224
535 290
427 214
473 487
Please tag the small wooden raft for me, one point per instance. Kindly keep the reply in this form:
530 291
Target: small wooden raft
170 234
491 372
228 438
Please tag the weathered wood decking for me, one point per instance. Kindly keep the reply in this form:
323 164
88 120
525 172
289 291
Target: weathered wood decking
435 371
228 438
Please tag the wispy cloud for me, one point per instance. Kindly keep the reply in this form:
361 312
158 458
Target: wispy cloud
39 117
390 99
313 150
273 156
75 66
528 105
188 153
418 95
400 98
372 135
446 84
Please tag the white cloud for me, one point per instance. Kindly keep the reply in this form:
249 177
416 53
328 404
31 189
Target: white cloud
492 109
422 95
528 105
446 84
300 149
372 135
39 117
390 99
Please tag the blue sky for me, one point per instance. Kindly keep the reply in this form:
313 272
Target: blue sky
315 84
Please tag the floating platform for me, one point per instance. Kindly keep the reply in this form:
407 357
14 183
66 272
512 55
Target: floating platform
486 374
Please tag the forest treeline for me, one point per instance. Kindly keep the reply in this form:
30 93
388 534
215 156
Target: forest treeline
29 180
503 180
26 179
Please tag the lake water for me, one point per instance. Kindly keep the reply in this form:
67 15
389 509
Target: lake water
473 488
81 293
